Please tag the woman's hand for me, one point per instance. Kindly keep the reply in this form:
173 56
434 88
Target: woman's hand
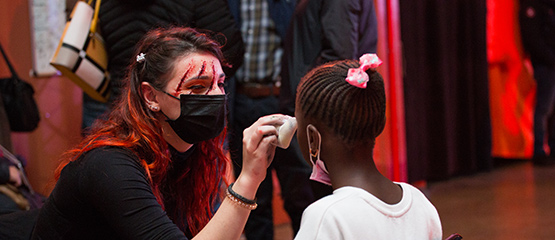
259 145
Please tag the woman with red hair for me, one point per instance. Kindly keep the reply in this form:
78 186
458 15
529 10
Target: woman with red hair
153 170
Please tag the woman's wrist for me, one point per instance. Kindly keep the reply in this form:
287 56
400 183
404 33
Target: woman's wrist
240 200
245 187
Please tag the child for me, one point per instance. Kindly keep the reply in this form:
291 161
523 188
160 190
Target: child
340 110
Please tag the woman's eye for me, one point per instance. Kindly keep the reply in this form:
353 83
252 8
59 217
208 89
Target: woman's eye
195 87
221 85
198 89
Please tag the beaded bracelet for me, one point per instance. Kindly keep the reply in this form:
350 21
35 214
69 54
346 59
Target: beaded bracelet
240 200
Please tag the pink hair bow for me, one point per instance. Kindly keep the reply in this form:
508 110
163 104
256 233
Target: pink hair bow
358 76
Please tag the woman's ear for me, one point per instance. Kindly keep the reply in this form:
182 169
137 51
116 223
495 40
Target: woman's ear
149 96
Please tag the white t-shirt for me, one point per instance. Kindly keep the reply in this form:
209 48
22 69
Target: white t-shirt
353 213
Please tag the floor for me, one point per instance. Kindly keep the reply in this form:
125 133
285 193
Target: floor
514 201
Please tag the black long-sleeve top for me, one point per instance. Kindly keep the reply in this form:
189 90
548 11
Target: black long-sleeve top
104 194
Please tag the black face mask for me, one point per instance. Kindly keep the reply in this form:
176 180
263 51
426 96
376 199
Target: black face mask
202 117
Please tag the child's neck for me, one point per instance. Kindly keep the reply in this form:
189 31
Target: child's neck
370 180
353 165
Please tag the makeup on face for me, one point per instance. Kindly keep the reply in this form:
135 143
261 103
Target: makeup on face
197 84
202 76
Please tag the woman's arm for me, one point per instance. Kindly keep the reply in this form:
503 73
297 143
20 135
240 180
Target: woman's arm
258 152
119 191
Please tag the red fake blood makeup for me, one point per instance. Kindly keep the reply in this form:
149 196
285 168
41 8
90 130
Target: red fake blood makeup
213 75
178 89
202 69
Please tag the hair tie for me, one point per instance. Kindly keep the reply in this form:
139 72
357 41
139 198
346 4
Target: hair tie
358 76
141 57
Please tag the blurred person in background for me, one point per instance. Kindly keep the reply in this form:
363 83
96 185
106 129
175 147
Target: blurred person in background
537 26
263 25
323 31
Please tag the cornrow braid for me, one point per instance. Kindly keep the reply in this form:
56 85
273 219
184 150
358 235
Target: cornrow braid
352 113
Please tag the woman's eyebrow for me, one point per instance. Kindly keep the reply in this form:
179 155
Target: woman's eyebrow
199 77
205 77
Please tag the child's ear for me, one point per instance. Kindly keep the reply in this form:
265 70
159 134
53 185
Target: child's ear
314 139
149 96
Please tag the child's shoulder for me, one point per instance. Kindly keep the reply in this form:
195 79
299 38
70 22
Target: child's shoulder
341 199
418 198
411 190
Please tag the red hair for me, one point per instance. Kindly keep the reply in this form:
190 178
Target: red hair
131 126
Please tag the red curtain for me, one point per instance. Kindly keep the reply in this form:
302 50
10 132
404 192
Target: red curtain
390 150
512 88
457 57
445 82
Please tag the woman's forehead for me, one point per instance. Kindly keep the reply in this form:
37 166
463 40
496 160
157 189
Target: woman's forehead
197 64
194 67
198 60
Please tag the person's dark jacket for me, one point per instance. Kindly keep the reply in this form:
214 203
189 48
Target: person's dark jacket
4 171
323 31
537 27
124 22
281 12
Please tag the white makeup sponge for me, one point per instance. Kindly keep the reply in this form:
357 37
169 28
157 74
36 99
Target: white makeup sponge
286 132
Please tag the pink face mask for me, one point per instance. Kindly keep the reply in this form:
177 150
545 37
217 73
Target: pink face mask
319 171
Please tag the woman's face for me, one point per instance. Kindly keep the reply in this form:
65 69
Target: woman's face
197 73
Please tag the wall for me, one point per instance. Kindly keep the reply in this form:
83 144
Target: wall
59 100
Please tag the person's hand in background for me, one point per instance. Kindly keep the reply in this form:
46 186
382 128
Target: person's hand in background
15 176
